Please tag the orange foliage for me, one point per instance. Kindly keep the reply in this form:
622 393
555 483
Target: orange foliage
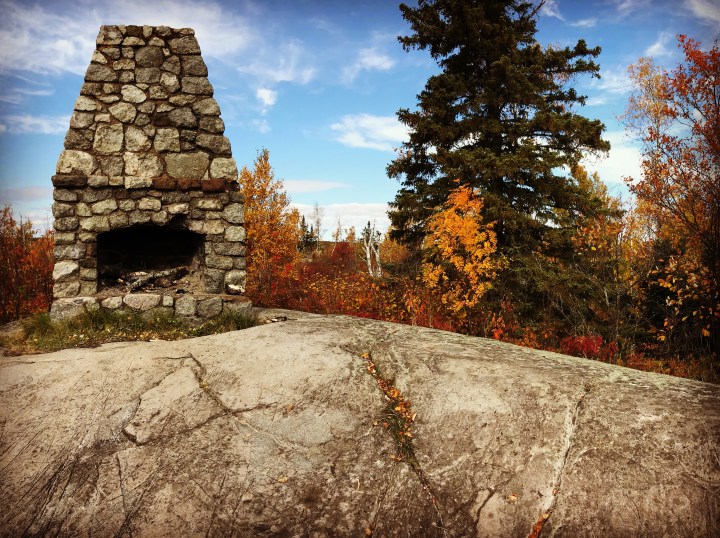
26 267
272 232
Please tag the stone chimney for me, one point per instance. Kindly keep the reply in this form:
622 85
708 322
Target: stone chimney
147 209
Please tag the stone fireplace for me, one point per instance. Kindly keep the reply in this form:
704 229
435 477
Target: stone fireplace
146 204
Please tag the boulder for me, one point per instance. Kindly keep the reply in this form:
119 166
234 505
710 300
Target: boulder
284 430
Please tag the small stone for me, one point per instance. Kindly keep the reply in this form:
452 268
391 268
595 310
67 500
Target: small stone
160 217
127 76
132 182
177 209
98 181
214 227
109 35
147 75
86 104
167 300
126 205
133 41
95 195
83 210
172 65
108 138
111 165
208 203
225 168
118 220
112 303
75 162
184 45
182 99
128 52
236 278
142 120
66 289
149 57
209 308
100 73
65 269
64 238
78 139
197 86
167 139
157 92
194 65
234 213
104 207
229 249
98 223
124 64
81 120
125 112
65 307
187 165
148 107
142 301
149 204
102 118
170 81
219 262
185 306
108 99
69 252
183 117
64 195
88 273
98 58
212 124
136 140
156 42
235 233
112 53
207 107
142 166
218 144
133 94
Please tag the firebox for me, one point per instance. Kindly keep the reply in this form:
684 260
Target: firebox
146 200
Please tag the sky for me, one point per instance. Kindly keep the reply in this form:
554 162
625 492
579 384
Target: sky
316 82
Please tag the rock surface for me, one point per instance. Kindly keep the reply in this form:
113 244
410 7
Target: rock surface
277 431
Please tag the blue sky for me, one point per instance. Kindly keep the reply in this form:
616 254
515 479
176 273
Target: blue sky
317 82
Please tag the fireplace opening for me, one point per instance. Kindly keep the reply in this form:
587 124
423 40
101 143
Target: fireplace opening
132 257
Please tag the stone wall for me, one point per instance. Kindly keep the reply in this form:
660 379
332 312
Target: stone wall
146 147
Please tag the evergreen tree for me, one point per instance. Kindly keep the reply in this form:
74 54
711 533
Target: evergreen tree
498 118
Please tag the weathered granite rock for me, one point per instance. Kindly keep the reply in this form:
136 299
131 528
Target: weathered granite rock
278 431
187 165
75 162
142 301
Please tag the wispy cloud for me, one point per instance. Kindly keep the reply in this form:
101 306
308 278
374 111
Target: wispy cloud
625 7
613 81
60 39
262 126
15 96
28 124
299 186
368 59
623 160
551 9
585 23
286 63
382 133
267 97
708 10
660 47
24 194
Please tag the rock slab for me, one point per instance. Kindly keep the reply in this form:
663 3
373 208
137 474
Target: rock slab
277 431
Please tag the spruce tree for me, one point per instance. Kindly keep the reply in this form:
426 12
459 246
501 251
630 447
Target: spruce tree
499 118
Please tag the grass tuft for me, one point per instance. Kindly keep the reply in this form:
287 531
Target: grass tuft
96 327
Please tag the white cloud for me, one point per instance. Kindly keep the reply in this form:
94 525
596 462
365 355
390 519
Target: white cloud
267 97
613 81
551 9
709 10
382 133
15 96
298 186
660 47
623 160
262 126
625 7
368 59
596 101
351 214
44 40
285 63
28 124
585 23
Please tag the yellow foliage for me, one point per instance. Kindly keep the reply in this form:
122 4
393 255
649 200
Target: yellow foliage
459 248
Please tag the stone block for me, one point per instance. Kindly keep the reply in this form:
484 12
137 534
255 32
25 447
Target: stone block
104 207
64 238
142 301
185 306
118 220
112 303
127 205
219 262
237 305
149 56
196 86
95 195
183 117
136 140
178 209
187 165
184 45
167 139
83 210
86 104
235 234
124 112
124 64
172 65
235 281
210 307
206 107
109 35
82 120
63 210
193 65
66 289
109 138
64 270
149 204
170 82
67 252
132 94
98 181
213 185
66 224
81 139
100 73
207 203
167 301
145 166
234 213
69 181
88 273
147 75
88 288
133 41
65 308
213 280
64 195
157 92
95 224
229 249
214 227
212 124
